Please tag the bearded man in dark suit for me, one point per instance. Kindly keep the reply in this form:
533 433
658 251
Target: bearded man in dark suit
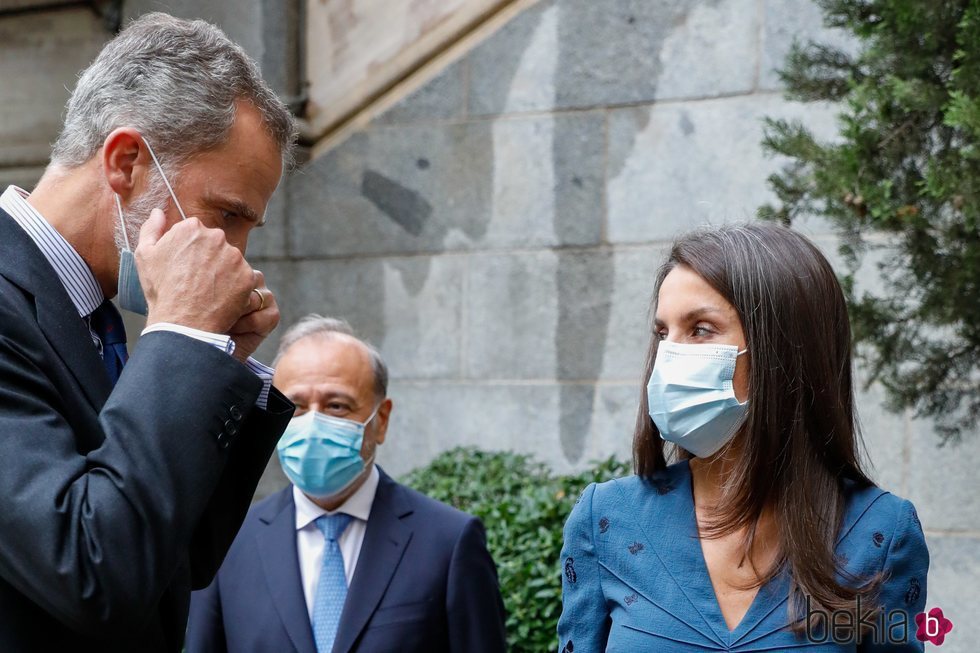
125 479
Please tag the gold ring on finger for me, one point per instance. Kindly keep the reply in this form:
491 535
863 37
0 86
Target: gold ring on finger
261 298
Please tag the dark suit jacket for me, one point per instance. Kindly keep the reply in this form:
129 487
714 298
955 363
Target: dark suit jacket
114 503
424 582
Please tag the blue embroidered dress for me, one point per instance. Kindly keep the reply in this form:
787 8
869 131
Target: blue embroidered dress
634 576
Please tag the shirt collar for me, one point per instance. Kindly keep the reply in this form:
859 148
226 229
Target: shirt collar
75 275
358 505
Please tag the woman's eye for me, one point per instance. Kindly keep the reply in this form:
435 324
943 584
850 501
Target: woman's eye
701 332
661 335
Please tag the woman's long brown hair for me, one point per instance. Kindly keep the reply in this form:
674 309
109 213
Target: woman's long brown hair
800 440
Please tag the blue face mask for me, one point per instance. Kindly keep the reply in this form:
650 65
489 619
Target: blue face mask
130 294
321 454
691 399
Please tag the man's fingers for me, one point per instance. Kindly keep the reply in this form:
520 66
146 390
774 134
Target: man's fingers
259 299
154 228
258 322
262 314
158 224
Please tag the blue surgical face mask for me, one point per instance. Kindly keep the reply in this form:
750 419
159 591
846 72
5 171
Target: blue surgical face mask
691 399
321 454
131 295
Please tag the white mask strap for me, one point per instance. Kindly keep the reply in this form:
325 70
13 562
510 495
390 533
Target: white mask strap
373 414
122 223
160 168
122 220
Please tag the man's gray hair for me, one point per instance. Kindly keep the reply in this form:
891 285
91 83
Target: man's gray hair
177 82
318 325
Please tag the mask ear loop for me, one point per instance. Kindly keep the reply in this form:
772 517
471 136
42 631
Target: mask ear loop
160 169
374 452
122 223
373 414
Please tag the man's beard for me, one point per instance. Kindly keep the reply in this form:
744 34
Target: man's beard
138 211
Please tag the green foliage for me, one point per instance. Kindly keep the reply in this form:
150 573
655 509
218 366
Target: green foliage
906 168
524 508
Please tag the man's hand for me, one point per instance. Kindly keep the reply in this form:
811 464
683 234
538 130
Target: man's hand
260 320
191 276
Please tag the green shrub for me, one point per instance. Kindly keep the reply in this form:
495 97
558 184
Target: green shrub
524 507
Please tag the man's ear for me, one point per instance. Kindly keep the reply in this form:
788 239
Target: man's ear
123 161
381 421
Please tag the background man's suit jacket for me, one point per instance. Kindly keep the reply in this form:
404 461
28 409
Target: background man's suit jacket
424 582
114 503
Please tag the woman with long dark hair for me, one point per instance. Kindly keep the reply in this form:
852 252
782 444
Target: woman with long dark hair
767 533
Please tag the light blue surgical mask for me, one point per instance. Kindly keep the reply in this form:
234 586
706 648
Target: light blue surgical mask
131 295
690 396
321 454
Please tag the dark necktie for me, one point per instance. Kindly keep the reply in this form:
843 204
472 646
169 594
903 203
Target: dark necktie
107 324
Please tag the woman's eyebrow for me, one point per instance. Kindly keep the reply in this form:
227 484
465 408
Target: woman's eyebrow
701 312
693 314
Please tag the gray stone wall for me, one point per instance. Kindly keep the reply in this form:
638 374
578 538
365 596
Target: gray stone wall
497 233
40 56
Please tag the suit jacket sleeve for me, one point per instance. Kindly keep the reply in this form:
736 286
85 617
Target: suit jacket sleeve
584 622
94 535
904 589
232 497
474 608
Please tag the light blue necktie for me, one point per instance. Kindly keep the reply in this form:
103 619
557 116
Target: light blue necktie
331 588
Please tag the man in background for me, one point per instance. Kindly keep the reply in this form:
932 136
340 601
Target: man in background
125 480
345 559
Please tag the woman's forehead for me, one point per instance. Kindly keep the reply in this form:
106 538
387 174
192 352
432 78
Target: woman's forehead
683 291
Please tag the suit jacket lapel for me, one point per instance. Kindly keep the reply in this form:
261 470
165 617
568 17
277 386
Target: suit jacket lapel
676 579
385 540
678 548
25 265
280 564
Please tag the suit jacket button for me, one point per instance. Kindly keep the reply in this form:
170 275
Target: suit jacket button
235 412
231 428
223 440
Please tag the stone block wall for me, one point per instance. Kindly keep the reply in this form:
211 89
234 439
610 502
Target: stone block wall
35 75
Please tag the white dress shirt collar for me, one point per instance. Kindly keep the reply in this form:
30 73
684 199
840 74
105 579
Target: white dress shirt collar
75 275
358 505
